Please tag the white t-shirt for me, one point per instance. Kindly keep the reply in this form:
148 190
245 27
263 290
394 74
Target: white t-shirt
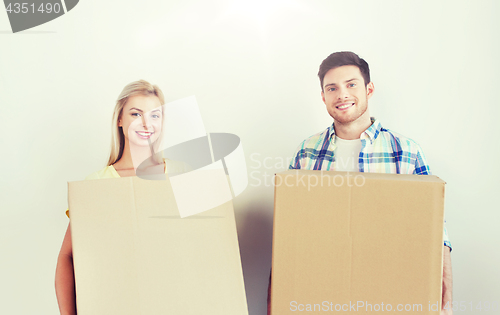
347 155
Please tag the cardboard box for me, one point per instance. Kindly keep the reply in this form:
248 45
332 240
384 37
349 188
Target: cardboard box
357 243
133 254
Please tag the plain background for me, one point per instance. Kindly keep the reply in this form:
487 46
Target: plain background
252 66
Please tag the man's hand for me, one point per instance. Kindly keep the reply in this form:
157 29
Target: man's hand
269 295
447 298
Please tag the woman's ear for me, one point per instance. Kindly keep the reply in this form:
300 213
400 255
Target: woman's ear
119 123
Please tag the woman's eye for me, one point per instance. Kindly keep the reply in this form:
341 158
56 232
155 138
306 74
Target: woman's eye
156 116
136 114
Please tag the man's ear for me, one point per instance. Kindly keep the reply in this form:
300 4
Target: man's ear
323 97
370 88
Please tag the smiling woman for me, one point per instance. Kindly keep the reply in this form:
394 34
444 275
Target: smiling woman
137 126
133 139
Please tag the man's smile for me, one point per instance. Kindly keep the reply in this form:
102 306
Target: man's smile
344 106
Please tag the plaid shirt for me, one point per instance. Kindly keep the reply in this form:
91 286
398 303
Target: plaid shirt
382 151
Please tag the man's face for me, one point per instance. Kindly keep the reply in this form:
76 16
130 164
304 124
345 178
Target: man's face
345 94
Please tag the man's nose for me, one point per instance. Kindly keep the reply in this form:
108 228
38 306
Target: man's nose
342 93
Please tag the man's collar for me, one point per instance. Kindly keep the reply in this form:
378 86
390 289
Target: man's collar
371 133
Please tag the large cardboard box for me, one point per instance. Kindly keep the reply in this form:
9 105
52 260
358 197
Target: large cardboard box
359 243
133 254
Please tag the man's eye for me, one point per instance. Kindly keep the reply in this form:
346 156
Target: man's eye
352 85
155 116
331 89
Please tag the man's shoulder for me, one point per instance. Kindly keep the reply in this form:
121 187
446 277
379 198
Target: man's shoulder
309 149
406 144
312 141
407 153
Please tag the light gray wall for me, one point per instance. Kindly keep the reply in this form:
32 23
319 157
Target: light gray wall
252 66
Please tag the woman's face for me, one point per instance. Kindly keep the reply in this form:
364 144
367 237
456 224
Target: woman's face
141 120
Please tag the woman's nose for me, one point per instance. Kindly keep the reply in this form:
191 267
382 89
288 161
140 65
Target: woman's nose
146 123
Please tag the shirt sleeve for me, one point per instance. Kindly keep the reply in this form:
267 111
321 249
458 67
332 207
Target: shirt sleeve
421 166
446 238
297 157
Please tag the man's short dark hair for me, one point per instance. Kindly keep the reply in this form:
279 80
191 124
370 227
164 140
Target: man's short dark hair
343 58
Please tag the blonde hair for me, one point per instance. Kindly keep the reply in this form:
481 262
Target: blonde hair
140 87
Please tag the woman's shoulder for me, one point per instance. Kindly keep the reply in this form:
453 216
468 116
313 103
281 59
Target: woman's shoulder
107 172
176 166
172 167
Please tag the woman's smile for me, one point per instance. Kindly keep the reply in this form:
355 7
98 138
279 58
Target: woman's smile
144 134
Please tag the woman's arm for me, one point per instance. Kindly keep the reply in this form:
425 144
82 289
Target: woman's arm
65 277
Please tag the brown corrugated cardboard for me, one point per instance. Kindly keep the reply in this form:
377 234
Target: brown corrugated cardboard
357 243
133 254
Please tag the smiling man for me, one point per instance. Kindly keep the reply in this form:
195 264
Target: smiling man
356 142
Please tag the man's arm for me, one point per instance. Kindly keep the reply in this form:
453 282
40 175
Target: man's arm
447 283
421 168
295 162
